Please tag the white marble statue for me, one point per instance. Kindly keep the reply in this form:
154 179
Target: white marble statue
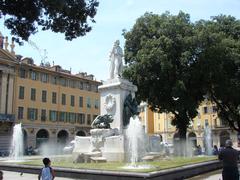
116 65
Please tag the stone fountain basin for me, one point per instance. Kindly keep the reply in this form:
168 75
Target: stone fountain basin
173 173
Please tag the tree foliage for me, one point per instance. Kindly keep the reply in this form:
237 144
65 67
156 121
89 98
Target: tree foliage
65 16
160 53
220 59
176 63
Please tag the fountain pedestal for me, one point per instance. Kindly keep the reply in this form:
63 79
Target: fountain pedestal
110 142
113 92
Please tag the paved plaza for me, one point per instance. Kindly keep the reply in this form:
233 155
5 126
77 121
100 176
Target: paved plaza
8 175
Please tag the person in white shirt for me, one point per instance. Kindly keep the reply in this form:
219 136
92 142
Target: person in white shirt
47 172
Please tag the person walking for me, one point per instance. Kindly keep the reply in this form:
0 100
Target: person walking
47 172
215 150
229 157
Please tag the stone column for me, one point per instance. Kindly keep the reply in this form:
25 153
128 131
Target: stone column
3 94
10 95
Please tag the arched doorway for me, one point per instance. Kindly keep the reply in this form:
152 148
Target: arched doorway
192 139
81 133
41 137
224 135
62 137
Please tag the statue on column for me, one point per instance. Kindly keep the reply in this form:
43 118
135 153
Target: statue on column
116 65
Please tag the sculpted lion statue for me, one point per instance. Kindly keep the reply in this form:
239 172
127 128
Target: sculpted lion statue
102 121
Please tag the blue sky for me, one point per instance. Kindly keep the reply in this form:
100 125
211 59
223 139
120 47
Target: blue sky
90 53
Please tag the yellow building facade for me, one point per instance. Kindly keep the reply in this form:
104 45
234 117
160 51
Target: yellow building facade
207 117
7 77
51 103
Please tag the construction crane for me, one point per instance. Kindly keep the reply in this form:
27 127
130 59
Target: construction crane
42 52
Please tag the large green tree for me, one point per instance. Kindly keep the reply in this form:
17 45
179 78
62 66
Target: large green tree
160 53
23 17
220 60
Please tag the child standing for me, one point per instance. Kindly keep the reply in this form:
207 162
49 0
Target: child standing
47 172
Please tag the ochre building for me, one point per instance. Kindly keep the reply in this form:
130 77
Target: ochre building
160 124
52 104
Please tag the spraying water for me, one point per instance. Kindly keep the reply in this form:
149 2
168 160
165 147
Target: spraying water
17 142
208 140
135 136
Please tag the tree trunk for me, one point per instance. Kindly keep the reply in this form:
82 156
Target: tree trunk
182 135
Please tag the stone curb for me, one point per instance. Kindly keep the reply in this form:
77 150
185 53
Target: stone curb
167 174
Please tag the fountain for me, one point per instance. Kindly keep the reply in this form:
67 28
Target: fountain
117 133
136 140
208 140
17 142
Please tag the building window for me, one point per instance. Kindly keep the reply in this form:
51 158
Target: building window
89 119
43 115
33 94
22 73
53 79
72 83
206 123
44 77
54 97
87 86
33 75
80 85
95 88
63 99
53 115
62 116
67 117
72 100
63 82
80 101
32 114
205 110
96 104
72 117
44 96
81 118
21 92
214 109
88 102
159 126
20 112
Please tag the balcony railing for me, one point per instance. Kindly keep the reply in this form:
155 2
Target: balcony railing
7 117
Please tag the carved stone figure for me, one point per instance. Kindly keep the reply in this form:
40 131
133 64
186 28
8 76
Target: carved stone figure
116 65
130 109
102 122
